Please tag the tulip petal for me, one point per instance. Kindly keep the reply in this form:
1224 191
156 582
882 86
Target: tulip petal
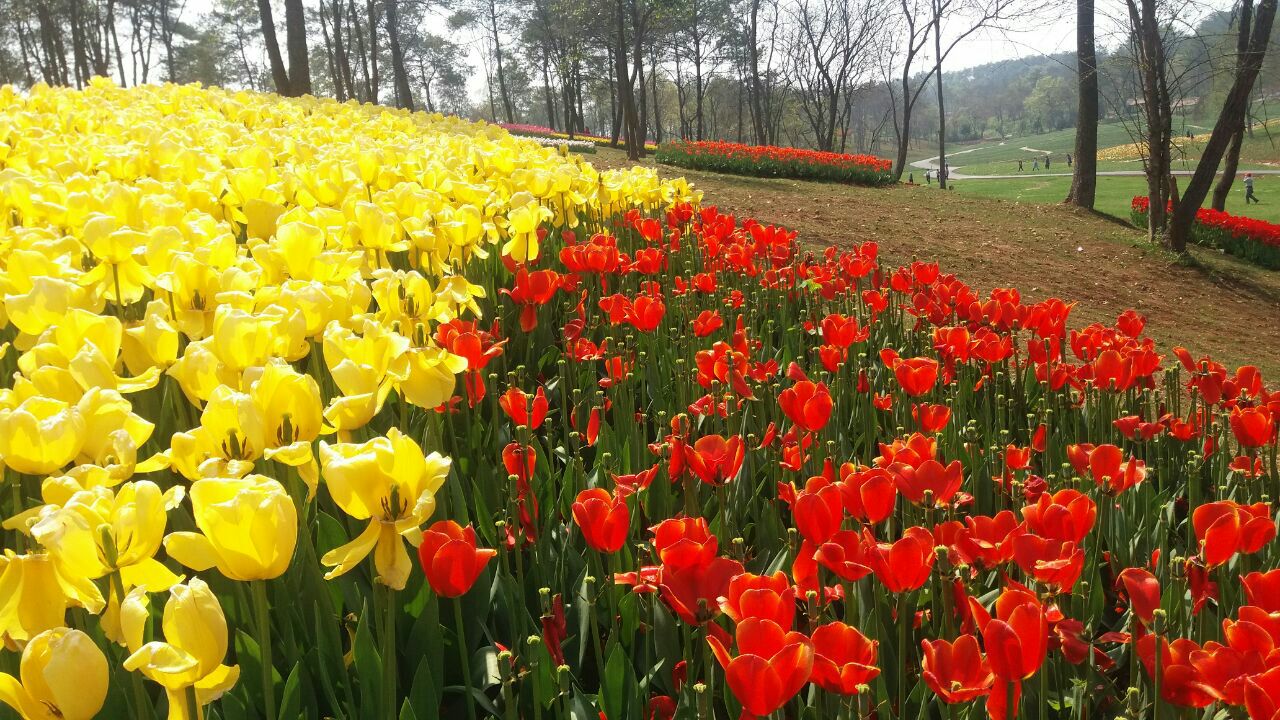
151 575
15 696
342 559
192 550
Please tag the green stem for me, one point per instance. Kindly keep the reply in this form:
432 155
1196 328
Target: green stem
464 658
1043 701
903 623
140 704
194 711
389 654
262 609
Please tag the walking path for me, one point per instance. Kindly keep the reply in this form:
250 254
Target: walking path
932 164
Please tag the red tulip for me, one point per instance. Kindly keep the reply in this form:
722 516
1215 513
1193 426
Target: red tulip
707 322
1055 563
818 510
843 658
1263 589
1225 528
515 403
917 376
1017 638
603 518
771 667
931 418
988 541
1143 590
1065 515
956 672
940 483
807 405
693 592
647 313
1262 695
845 555
532 290
1180 682
684 542
714 459
764 597
1253 427
1108 467
450 558
903 565
870 494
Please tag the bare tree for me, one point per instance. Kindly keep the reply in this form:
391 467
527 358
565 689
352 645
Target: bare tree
1084 177
1230 120
829 53
1244 24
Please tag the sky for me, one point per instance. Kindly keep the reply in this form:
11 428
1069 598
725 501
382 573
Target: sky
1051 32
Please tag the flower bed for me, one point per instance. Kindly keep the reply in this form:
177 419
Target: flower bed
539 131
1254 240
319 410
770 161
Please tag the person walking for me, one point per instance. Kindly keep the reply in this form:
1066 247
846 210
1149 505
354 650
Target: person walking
1035 164
1046 162
1248 190
928 177
1019 166
1068 159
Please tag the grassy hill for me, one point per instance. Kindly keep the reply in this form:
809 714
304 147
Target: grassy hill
1116 193
1214 304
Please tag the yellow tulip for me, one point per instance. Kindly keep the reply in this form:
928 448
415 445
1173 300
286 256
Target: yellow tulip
153 343
290 414
365 368
432 376
226 443
389 482
250 528
41 435
100 532
35 595
62 676
191 655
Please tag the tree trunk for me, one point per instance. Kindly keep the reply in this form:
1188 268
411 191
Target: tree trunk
546 88
331 54
497 52
1159 120
1232 161
295 29
657 104
278 74
374 80
1229 120
404 94
758 118
942 112
1084 177
626 96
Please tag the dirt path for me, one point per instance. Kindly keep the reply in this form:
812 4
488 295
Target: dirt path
1216 305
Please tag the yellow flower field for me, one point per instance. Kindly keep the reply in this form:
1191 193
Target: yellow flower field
222 318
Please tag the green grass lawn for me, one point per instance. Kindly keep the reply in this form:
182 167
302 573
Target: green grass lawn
1000 157
1116 193
1007 167
1058 143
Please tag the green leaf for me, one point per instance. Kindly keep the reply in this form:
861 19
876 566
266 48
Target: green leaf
368 664
291 701
618 691
424 694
